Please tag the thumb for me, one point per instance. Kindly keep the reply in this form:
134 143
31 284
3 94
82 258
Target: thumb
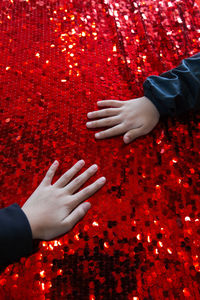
133 134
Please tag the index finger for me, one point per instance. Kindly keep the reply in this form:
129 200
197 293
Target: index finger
111 103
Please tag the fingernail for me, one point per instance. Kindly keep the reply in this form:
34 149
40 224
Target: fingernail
102 180
88 124
55 163
86 206
81 162
97 135
94 167
89 114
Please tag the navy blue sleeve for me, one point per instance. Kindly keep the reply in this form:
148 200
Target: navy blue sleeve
176 91
15 235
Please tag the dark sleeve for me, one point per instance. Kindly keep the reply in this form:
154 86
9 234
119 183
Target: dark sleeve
176 91
15 235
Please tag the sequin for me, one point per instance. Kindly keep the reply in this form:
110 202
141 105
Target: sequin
141 238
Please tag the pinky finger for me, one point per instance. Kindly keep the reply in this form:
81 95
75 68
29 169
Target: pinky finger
50 173
116 130
76 215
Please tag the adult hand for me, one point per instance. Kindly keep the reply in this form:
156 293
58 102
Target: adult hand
53 210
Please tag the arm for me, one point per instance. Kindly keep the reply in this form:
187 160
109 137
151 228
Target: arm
178 90
15 235
171 93
51 211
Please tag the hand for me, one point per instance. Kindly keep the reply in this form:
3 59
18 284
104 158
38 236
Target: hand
134 117
53 210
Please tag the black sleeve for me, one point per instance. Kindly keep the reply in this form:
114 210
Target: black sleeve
15 235
176 91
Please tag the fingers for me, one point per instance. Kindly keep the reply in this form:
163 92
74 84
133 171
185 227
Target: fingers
103 113
116 130
111 103
75 184
76 215
88 191
133 134
66 177
50 173
107 122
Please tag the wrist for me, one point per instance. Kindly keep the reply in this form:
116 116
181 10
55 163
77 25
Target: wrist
31 223
153 106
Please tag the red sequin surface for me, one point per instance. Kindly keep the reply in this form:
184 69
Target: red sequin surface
141 238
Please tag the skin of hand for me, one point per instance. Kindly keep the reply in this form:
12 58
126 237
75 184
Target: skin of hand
54 209
133 118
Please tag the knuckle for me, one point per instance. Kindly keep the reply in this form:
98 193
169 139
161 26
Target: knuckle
102 135
81 212
145 131
109 122
120 120
93 115
76 168
68 225
89 172
78 180
123 109
128 124
49 173
107 112
59 194
65 177
125 119
86 192
74 198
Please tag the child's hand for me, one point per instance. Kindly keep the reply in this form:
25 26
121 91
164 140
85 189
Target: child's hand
53 210
133 117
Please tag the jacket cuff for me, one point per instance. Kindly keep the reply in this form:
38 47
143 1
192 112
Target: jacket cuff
15 235
165 108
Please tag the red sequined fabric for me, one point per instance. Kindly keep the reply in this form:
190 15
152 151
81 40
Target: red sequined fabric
141 238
